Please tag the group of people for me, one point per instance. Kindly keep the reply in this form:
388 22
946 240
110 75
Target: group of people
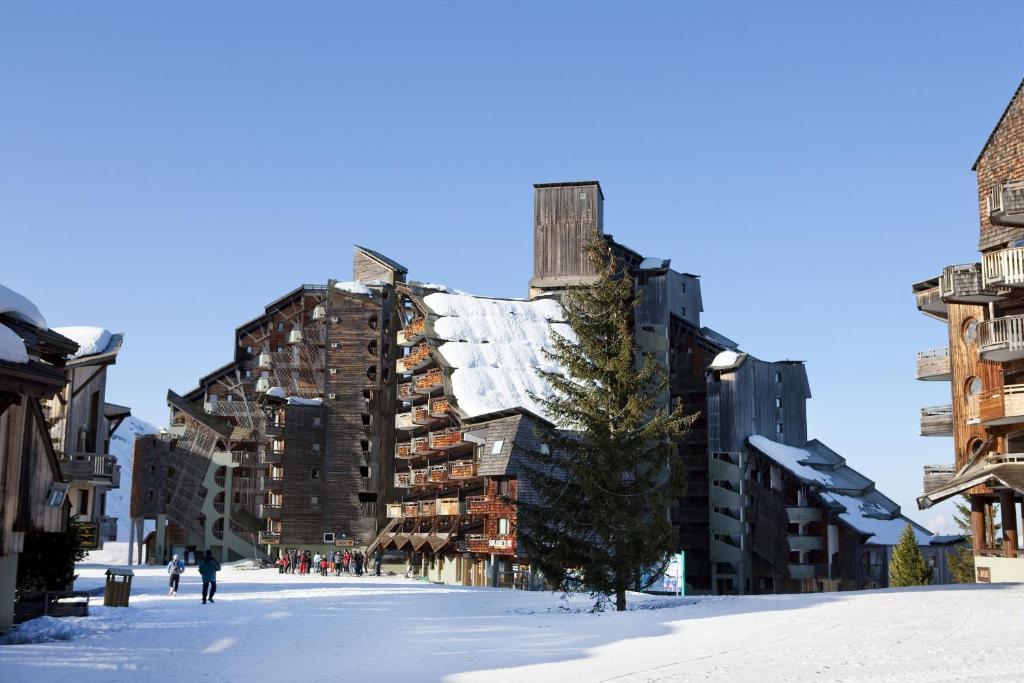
208 568
350 562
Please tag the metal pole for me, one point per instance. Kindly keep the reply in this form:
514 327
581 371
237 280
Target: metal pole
682 572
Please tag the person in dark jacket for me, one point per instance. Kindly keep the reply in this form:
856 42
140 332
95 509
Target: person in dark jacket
208 568
378 559
174 568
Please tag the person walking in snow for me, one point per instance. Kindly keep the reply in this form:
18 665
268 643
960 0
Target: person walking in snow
293 557
358 559
175 567
346 560
208 568
378 559
316 562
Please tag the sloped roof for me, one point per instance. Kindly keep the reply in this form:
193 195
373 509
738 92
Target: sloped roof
1002 117
377 256
858 504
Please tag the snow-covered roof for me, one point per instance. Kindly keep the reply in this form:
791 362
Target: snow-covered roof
12 347
352 287
279 392
17 305
863 508
493 348
728 360
654 263
90 340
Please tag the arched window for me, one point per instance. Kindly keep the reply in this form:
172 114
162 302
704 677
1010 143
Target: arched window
973 386
372 347
372 322
371 373
970 331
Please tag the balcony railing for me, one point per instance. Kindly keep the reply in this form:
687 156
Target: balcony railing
404 421
421 416
929 299
403 451
965 284
478 505
418 357
420 477
428 508
271 483
412 333
273 456
462 469
394 510
1006 203
1003 268
421 446
449 438
937 476
803 515
96 467
402 480
1002 339
805 542
439 407
937 421
107 528
449 507
1002 406
410 509
407 393
428 382
270 510
933 364
438 474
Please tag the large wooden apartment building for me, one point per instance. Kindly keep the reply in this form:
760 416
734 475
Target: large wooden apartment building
981 305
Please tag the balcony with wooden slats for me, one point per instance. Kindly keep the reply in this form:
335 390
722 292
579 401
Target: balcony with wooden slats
420 477
421 446
404 421
1003 268
410 509
1001 339
428 382
928 295
462 469
403 451
270 538
394 510
418 357
449 507
412 333
478 505
269 511
1006 203
1002 406
446 439
422 417
403 480
439 407
937 421
965 284
438 474
933 365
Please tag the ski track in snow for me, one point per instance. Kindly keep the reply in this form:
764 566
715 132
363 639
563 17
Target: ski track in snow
264 625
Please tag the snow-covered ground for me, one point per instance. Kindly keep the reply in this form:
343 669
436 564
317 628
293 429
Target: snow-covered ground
266 626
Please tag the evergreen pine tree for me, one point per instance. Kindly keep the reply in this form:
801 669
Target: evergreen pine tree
961 559
606 483
908 566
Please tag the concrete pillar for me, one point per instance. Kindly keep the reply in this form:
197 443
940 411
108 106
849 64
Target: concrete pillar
161 539
977 524
140 528
1008 511
8 582
131 540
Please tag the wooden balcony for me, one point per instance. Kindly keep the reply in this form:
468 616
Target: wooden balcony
412 333
407 393
1002 406
438 474
937 477
1003 268
271 483
439 407
421 446
478 505
421 416
805 542
428 382
803 515
410 509
394 510
95 467
275 431
806 571
1002 339
402 480
449 507
420 477
419 357
404 421
965 284
273 456
928 294
1006 203
937 421
446 439
933 364
270 511
428 508
403 451
263 361
462 469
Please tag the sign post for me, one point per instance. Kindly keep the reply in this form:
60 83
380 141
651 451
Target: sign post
682 572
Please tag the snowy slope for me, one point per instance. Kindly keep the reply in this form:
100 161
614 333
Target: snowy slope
122 444
265 626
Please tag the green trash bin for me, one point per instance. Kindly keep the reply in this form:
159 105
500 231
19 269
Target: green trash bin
119 587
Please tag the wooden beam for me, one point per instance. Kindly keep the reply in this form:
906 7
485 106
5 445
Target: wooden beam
1008 512
977 524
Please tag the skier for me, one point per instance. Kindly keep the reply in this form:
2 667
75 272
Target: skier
175 567
208 568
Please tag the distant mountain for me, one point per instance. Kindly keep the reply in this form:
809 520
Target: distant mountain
122 445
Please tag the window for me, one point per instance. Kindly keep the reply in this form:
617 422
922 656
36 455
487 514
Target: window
248 349
314 473
778 403
280 327
684 311
583 195
280 349
314 500
231 397
248 373
364 472
316 421
778 377
316 448
503 526
328 537
497 446
778 428
970 331
683 286
974 386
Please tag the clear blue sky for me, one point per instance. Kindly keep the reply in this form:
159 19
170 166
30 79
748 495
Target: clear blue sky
167 169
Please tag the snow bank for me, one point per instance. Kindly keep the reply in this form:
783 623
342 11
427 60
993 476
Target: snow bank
46 630
352 287
494 347
17 305
12 347
90 340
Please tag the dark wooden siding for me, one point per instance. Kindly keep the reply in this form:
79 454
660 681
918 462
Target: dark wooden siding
562 217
